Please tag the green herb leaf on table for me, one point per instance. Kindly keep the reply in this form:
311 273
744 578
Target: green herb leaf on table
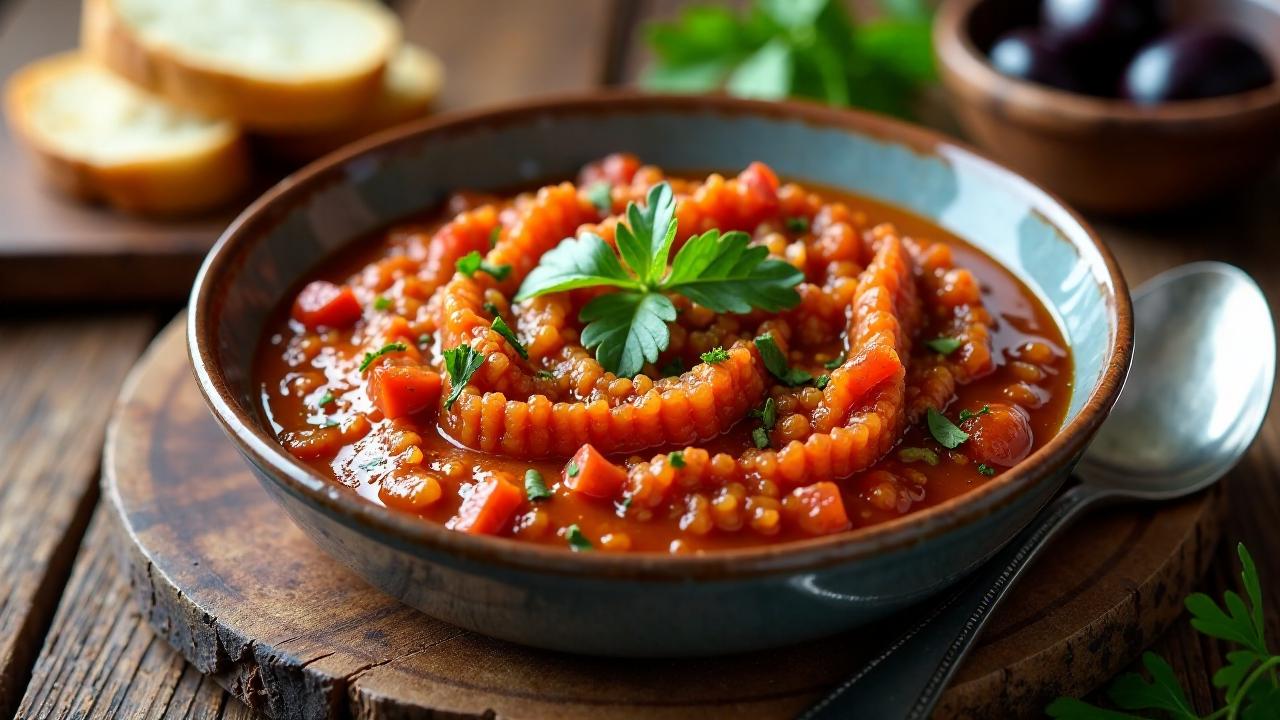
474 262
628 328
1249 677
944 345
369 357
776 362
601 195
715 355
461 363
534 487
797 48
944 431
501 327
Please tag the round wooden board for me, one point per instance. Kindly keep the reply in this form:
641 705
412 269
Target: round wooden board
222 573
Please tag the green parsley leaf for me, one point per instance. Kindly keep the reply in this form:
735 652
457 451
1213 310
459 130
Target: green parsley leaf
798 48
918 454
627 329
545 375
461 363
494 235
985 469
1131 692
601 195
760 437
578 542
534 488
726 274
501 327
369 357
382 302
776 362
325 399
834 362
944 431
677 458
490 308
798 224
644 241
425 340
965 414
715 355
586 261
473 261
944 345
571 469
768 413
822 381
1237 623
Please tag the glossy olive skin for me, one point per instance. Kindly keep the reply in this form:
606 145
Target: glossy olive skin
1102 23
1194 63
1026 54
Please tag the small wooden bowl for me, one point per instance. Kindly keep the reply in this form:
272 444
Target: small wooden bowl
1103 154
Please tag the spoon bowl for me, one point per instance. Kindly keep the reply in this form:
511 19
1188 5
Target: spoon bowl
1204 363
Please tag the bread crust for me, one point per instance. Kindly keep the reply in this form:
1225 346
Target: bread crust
182 184
257 103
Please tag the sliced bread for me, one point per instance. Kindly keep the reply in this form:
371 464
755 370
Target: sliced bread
99 138
278 65
412 81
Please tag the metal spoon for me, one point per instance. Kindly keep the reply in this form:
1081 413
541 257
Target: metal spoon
1203 368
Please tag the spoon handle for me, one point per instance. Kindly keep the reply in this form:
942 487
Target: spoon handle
906 679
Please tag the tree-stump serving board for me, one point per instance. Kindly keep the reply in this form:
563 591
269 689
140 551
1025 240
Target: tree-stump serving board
224 576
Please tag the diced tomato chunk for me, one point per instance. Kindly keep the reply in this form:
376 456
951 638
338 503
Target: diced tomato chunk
818 509
489 507
323 304
590 473
401 390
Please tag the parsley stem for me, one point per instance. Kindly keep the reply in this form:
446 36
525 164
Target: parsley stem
1243 692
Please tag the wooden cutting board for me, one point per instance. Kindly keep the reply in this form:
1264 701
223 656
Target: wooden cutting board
220 572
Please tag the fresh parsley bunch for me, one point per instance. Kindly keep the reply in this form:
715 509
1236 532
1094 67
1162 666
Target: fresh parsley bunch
1250 677
797 48
628 327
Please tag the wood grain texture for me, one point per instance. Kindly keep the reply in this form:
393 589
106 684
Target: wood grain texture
55 249
97 633
221 573
58 379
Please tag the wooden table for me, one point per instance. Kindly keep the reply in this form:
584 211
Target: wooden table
71 644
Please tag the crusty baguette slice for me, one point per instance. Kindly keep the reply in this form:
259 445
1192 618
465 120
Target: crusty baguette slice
99 138
276 65
412 81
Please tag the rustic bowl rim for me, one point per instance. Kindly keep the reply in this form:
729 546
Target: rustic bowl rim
412 534
959 55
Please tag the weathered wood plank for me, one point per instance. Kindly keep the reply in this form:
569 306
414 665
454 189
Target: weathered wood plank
101 659
58 381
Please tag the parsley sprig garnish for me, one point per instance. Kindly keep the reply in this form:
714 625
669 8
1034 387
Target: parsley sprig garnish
474 262
775 361
628 327
369 357
461 363
1249 678
501 327
944 431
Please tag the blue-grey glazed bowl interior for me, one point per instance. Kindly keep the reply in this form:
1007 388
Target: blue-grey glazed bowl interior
719 602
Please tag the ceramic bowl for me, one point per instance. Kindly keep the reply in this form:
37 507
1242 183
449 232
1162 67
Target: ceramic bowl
652 604
1109 155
